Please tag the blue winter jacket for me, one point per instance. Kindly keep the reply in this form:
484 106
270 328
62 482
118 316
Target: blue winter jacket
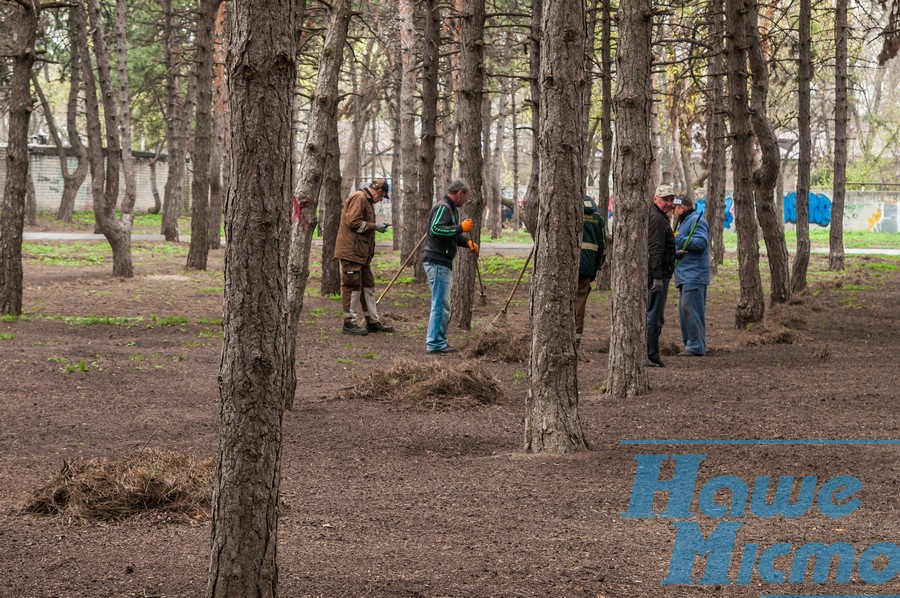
693 268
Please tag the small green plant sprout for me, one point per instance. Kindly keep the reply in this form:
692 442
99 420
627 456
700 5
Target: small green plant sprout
370 355
7 336
136 358
166 321
318 311
345 361
334 296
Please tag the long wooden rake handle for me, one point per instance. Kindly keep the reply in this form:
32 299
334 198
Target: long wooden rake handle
516 286
409 257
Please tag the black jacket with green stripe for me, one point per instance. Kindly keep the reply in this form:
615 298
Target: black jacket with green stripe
444 234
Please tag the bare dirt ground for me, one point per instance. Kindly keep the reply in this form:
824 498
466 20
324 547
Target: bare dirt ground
384 501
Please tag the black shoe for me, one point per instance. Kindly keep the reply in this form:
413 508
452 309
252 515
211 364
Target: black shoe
688 353
351 328
378 327
655 363
445 349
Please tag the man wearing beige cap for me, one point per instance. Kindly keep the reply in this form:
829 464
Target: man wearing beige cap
661 255
355 247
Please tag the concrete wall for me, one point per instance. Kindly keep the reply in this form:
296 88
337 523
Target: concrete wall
48 180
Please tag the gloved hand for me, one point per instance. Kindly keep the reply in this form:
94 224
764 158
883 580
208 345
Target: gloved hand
382 227
657 286
679 255
466 225
473 246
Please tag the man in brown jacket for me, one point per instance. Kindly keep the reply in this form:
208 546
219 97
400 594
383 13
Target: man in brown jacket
355 247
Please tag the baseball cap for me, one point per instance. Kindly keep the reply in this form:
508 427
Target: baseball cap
682 200
383 185
664 191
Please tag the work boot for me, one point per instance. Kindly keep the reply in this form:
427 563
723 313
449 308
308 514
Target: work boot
351 328
378 327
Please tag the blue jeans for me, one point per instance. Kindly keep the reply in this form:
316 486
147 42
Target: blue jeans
440 279
656 309
692 312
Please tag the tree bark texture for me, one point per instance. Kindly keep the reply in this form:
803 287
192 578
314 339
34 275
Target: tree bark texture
175 127
486 165
532 191
551 409
409 150
633 161
127 213
199 250
30 200
471 88
309 180
839 188
715 134
604 279
497 157
255 365
804 162
751 306
105 191
12 221
331 201
220 110
765 177
428 147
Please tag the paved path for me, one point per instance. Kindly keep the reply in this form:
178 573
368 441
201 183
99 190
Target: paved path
486 248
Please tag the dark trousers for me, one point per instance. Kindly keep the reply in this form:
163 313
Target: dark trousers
656 307
584 289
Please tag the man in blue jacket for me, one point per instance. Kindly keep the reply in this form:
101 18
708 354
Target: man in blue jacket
444 235
691 275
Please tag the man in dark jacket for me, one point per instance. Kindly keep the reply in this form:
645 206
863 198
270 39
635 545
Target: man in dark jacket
691 276
593 245
355 247
661 254
443 236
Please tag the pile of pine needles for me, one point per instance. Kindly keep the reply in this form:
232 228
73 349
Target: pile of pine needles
169 485
495 344
435 386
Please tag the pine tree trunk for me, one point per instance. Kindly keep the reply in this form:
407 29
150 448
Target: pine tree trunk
427 149
765 177
551 409
128 174
532 191
199 250
751 306
220 110
104 181
839 189
804 162
309 180
409 150
12 220
633 160
30 199
471 89
255 364
715 135
331 201
604 279
496 160
175 130
486 166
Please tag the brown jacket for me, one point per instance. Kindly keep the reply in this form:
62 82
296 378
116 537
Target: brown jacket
356 233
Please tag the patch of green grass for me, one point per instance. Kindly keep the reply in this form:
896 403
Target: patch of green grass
67 254
819 237
210 321
345 361
882 266
210 333
10 318
94 320
136 357
318 311
57 360
370 355
166 321
192 344
335 296
215 290
7 336
857 287
158 366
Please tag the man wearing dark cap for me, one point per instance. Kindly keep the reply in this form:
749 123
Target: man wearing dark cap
661 255
355 247
691 275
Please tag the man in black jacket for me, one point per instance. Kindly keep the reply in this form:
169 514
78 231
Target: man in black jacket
444 235
661 253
